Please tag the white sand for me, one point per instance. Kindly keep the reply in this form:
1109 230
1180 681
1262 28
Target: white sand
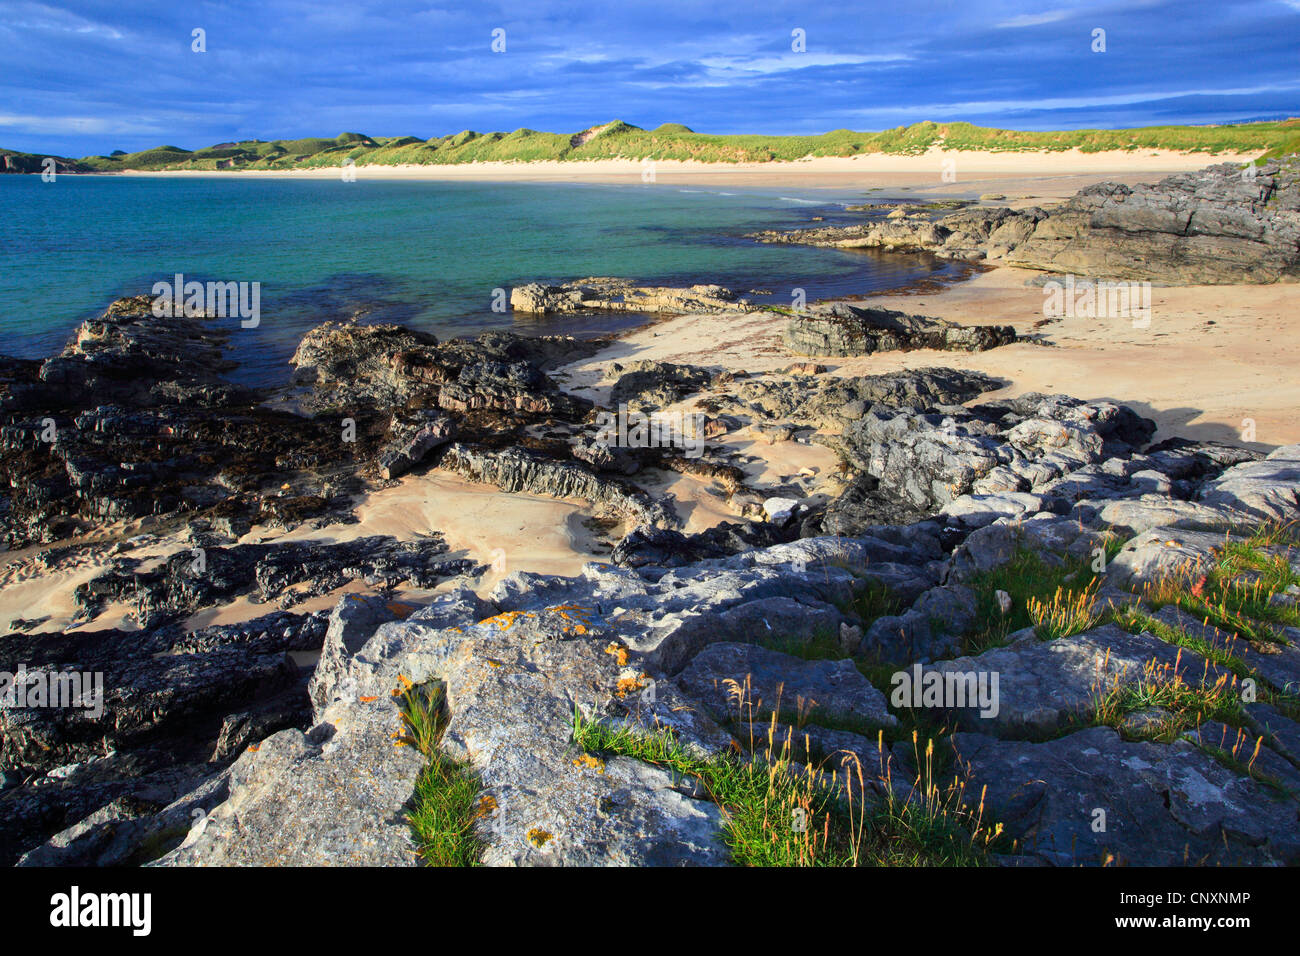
934 171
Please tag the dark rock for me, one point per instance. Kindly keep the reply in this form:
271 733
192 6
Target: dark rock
842 329
1211 226
515 469
1163 805
657 383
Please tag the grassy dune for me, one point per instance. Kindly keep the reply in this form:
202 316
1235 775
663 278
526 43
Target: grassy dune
619 140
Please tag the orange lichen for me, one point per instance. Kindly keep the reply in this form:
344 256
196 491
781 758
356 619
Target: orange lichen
400 609
505 619
629 685
591 763
620 654
487 805
539 837
367 700
403 685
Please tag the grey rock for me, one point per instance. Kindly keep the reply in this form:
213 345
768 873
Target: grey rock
1278 663
743 682
413 441
1166 552
844 330
1164 804
1205 227
515 469
1267 490
512 683
1043 685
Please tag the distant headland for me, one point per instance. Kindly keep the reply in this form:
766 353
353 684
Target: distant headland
670 142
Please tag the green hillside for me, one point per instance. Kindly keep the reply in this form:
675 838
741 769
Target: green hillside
619 140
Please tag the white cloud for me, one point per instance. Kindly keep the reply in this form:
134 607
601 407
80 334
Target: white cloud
1034 19
721 65
38 16
64 125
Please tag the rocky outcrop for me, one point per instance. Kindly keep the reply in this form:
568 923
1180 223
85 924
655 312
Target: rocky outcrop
656 383
217 745
290 572
351 367
1163 804
133 418
843 330
991 452
806 401
415 436
975 233
173 709
1218 225
651 647
622 295
1221 224
515 469
655 648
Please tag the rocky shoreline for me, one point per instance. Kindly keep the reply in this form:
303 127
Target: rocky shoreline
1223 224
270 740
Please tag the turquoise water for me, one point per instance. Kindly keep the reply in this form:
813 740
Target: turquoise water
425 254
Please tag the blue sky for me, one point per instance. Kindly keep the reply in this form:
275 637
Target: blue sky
85 78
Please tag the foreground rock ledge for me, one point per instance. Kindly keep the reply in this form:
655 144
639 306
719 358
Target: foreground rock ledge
517 666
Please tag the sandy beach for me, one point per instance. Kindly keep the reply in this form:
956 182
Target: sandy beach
1212 356
1213 360
1042 176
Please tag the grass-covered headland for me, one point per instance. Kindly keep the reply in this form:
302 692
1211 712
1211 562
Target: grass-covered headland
673 141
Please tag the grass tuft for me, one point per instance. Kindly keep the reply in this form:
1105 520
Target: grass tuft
446 803
778 812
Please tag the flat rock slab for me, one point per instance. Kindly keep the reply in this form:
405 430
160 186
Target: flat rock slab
1041 685
1279 663
1166 552
339 794
1052 537
1133 516
1266 490
743 680
1163 804
1279 732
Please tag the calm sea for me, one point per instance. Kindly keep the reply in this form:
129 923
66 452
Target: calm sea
425 254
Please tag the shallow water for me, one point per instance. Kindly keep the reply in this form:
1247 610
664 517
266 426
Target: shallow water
425 254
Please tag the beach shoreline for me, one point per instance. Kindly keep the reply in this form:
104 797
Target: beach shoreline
935 170
1212 377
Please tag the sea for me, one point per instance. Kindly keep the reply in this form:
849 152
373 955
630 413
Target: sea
429 255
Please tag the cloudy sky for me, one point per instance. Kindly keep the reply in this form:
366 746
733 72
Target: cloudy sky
85 78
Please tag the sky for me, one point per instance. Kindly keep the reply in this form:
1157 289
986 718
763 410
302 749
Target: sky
86 78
